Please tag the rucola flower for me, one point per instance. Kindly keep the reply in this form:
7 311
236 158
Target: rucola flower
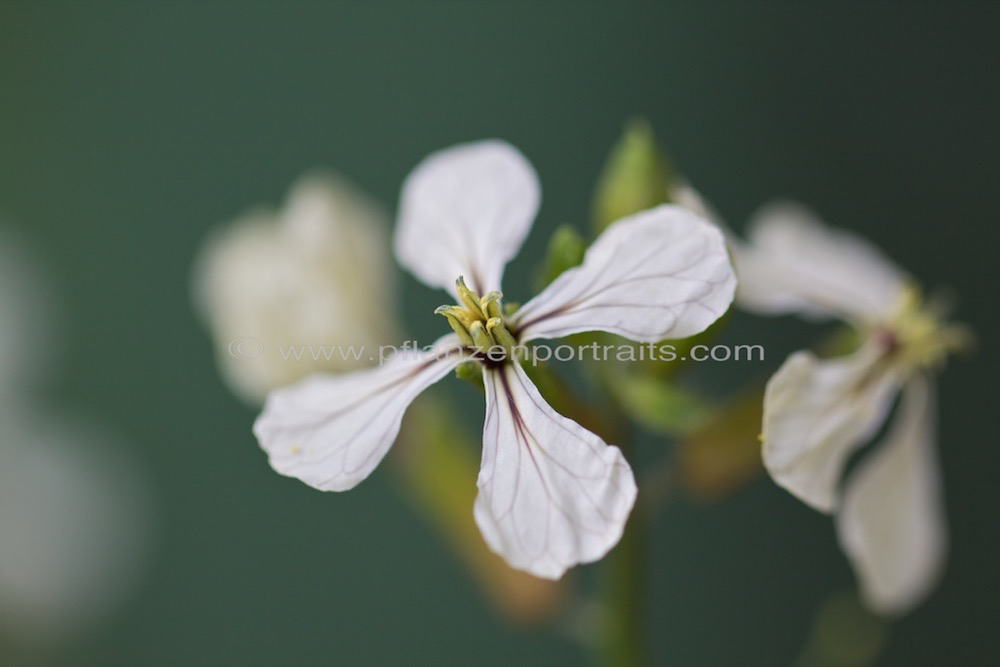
551 493
818 412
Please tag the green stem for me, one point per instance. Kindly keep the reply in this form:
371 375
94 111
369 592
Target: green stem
620 642
623 639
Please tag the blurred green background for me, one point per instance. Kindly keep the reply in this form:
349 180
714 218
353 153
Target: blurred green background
128 130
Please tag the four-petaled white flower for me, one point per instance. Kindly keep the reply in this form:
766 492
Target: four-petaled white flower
817 413
551 493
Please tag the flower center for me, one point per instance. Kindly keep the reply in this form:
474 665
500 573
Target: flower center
918 336
478 321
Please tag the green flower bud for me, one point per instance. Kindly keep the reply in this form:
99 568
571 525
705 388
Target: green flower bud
566 250
636 177
471 372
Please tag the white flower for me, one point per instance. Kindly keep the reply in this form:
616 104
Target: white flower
74 513
817 413
73 502
551 494
280 289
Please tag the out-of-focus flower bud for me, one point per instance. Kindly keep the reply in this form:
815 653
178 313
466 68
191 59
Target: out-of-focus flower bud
724 455
844 634
636 177
566 250
658 404
308 288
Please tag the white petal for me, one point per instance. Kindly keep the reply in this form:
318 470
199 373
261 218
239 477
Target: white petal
663 273
551 493
816 413
465 211
793 263
330 431
891 525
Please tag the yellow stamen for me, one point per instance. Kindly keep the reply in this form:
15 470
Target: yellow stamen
919 337
469 299
478 321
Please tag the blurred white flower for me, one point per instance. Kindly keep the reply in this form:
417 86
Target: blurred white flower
73 503
73 524
551 493
282 291
818 412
